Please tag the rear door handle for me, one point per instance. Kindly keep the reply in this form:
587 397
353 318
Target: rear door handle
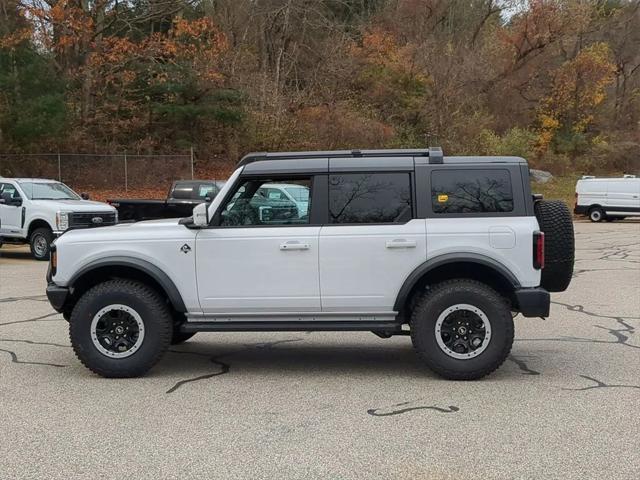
401 243
293 245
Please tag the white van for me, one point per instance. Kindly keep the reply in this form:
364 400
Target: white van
608 198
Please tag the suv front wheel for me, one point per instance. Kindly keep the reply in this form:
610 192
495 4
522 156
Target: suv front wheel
462 329
120 328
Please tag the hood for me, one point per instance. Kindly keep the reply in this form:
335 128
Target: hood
74 205
124 232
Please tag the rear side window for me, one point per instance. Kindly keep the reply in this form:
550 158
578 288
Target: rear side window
370 198
471 191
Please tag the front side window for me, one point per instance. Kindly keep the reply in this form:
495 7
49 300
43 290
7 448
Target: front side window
8 191
370 198
254 202
48 191
471 191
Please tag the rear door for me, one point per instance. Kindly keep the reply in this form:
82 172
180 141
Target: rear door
371 242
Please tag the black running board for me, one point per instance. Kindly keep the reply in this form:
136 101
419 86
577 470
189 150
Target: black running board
293 326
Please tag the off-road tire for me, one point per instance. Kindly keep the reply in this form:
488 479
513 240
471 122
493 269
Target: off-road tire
41 233
443 295
556 222
150 306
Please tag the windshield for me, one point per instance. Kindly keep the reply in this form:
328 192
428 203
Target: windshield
300 194
48 191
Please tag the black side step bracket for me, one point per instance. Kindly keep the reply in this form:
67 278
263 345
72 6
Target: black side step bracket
294 326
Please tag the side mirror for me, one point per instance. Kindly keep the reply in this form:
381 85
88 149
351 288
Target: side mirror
84 196
201 215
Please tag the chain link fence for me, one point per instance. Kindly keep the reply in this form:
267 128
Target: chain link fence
101 172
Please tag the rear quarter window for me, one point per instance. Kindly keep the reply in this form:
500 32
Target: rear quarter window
470 191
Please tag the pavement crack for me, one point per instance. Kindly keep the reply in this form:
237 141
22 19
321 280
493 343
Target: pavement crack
394 410
600 384
522 365
224 367
33 342
35 319
37 298
15 359
621 335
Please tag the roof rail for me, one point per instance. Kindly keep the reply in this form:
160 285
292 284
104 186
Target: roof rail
434 154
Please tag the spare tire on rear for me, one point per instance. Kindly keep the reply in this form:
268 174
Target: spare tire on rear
556 222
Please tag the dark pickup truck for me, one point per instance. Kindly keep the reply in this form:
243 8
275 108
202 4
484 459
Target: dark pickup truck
183 196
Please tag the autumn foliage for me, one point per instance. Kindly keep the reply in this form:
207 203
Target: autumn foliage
557 81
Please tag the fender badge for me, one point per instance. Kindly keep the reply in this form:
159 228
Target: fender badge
185 248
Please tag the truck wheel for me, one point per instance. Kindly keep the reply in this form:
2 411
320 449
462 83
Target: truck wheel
559 245
40 243
120 329
462 329
596 214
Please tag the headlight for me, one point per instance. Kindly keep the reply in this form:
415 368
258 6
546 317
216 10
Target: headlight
62 220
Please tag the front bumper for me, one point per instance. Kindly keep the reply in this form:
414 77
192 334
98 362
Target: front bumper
533 302
57 296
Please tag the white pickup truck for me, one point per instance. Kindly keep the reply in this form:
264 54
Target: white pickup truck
35 211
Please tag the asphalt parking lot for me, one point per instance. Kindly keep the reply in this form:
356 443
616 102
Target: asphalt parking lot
334 405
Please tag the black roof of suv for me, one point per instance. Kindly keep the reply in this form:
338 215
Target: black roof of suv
337 160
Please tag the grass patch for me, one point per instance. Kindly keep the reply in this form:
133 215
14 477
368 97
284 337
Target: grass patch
558 188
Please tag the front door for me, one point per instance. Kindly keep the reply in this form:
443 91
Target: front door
10 213
371 242
261 257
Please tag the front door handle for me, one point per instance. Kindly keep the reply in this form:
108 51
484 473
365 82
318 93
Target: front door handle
401 243
294 246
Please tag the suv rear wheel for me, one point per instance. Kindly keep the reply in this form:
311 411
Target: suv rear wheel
120 328
462 329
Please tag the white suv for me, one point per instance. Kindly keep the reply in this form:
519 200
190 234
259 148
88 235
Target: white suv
35 211
397 242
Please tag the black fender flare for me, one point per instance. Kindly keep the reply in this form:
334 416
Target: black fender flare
449 258
141 265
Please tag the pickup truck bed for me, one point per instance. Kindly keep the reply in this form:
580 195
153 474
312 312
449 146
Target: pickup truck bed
182 197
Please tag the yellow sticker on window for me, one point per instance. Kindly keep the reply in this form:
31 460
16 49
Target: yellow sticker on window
443 198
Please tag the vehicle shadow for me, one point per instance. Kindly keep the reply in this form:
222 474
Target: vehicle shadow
292 356
14 253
